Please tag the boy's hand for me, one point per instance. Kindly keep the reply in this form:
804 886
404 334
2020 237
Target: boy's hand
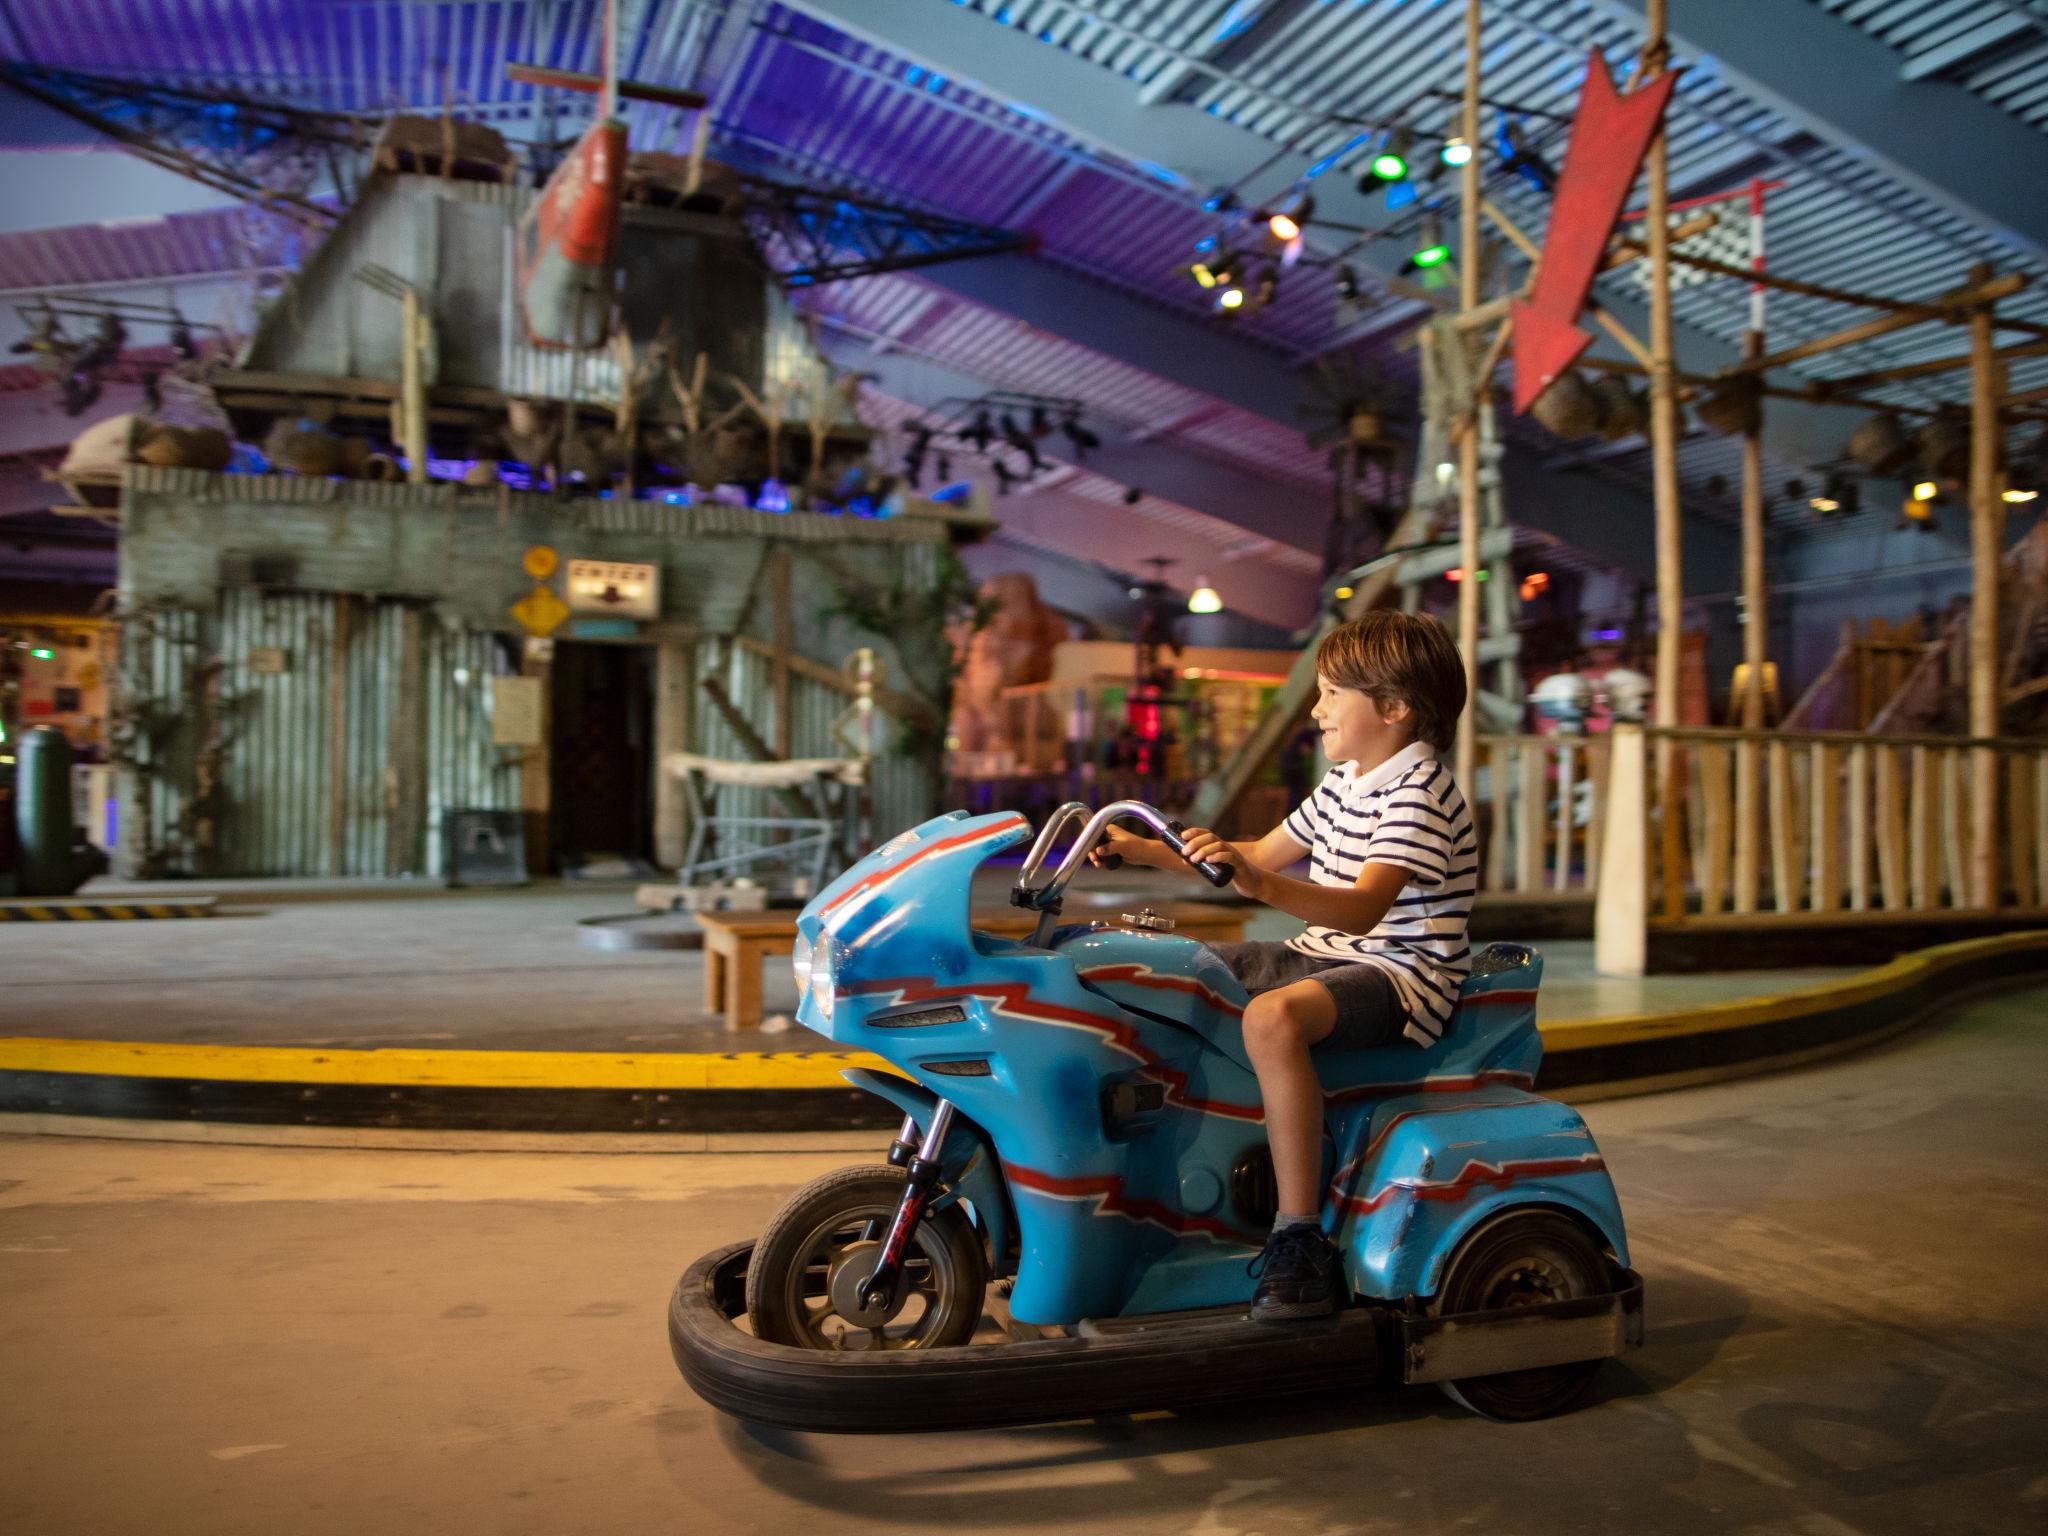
1128 846
1204 846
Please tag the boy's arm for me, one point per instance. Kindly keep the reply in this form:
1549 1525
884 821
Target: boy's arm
1356 908
1277 850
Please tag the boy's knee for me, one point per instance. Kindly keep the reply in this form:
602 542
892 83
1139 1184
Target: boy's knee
1278 1021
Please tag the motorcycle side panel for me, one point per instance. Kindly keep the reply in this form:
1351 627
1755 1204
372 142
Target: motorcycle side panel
1418 1172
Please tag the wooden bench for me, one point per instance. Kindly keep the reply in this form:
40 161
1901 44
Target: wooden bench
736 943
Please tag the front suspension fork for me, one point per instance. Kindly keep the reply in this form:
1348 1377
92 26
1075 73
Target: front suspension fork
920 1162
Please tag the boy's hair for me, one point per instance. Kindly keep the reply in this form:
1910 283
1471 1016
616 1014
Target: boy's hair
1391 656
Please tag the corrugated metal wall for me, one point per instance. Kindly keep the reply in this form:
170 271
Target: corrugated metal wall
279 702
157 731
899 795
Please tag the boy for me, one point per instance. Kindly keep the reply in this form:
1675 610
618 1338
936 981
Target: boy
1393 867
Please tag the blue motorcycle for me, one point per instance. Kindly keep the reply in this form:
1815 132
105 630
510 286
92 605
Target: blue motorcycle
1065 1219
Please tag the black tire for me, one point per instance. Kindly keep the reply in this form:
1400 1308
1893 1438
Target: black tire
985 1385
835 1221
1523 1258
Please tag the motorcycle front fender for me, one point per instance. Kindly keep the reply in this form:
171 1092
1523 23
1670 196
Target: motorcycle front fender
967 1163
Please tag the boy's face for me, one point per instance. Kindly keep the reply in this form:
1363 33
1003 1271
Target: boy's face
1358 728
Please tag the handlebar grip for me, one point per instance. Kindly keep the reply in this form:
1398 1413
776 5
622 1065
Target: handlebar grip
1218 875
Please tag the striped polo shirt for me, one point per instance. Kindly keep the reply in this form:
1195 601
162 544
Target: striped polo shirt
1406 812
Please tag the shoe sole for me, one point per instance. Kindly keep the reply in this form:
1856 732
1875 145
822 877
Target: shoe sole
1289 1311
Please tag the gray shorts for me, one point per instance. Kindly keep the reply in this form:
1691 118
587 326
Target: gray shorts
1369 1007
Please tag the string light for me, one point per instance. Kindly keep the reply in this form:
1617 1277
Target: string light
1204 599
1456 152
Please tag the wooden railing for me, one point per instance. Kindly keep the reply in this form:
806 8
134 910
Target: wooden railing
1542 800
1772 824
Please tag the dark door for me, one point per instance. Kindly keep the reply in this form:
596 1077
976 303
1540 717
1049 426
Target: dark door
602 789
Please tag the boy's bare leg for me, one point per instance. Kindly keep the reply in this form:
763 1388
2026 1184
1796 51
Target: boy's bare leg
1279 1028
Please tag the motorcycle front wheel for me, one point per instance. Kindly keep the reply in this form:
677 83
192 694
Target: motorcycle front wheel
804 1278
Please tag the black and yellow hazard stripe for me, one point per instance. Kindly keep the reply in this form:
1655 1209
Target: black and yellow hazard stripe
698 1092
67 911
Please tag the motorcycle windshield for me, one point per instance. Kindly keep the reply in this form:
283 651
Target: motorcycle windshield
905 907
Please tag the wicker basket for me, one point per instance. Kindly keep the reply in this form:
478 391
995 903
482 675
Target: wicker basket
1880 446
1571 407
1735 409
1624 411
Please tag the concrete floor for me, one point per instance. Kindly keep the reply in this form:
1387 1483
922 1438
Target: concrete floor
1846 1335
306 963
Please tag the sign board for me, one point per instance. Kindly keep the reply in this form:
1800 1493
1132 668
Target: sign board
516 711
540 612
615 587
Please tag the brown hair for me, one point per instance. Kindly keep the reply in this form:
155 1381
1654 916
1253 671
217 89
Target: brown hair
1392 656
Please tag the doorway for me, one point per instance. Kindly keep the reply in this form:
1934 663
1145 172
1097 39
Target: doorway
601 754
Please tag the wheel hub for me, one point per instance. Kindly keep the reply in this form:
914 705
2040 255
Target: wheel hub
852 1267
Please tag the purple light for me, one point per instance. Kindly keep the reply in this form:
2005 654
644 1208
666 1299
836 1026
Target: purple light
1606 634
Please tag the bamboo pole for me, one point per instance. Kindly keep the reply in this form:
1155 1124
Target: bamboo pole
1755 635
1663 403
1987 524
1468 444
413 386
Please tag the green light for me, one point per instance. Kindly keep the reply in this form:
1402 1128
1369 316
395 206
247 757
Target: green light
1433 255
42 653
1389 166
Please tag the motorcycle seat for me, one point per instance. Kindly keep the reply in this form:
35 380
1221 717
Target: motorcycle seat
1185 983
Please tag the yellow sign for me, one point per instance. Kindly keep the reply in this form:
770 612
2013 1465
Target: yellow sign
540 611
540 563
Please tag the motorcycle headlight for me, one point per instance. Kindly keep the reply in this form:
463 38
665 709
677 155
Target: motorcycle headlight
800 964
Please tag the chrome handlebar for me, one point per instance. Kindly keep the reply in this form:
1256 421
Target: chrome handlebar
1169 833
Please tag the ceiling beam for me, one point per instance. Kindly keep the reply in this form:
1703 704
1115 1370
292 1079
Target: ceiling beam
1940 140
1969 44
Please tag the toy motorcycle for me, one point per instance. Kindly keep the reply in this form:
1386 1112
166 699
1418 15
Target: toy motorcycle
1082 1135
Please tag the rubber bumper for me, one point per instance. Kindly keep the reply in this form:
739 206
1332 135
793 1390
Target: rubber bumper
978 1386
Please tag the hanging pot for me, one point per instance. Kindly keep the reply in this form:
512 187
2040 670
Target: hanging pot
1880 446
1733 410
1624 411
1570 407
1944 449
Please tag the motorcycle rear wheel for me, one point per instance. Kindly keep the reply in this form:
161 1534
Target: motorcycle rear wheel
1523 1258
837 1221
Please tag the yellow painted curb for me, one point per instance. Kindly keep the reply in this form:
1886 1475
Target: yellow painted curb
674 1070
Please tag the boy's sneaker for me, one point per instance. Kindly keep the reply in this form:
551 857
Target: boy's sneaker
1300 1275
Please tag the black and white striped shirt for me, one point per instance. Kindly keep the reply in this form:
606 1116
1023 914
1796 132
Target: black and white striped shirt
1406 812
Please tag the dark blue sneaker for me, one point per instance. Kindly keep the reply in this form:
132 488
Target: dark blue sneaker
1300 1275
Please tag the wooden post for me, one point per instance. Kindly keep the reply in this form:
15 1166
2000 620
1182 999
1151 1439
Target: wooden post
1755 635
1663 401
1529 818
1713 761
1621 906
1891 829
1468 442
412 384
1859 828
1987 525
1923 860
1825 787
1497 838
1748 848
1567 793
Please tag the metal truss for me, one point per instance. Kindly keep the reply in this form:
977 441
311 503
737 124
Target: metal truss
256 151
815 235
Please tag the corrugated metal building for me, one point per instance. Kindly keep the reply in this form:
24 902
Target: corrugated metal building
307 675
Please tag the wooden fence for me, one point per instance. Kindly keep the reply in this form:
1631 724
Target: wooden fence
1702 823
1546 796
